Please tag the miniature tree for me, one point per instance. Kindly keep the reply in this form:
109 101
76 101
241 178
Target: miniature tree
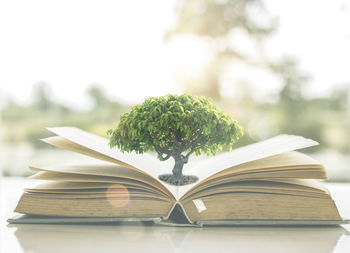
175 126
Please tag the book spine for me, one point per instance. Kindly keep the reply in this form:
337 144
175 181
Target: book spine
177 215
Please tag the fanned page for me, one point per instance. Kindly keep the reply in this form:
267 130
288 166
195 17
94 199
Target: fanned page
253 152
146 163
80 141
100 172
97 147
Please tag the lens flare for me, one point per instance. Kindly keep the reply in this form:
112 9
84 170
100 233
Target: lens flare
118 195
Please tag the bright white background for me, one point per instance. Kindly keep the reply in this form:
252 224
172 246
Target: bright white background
120 45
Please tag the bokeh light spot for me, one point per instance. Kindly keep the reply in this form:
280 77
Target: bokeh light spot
118 195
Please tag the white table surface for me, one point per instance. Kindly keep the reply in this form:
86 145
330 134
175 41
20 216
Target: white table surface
140 238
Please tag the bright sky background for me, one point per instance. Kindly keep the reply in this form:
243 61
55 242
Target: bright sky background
71 44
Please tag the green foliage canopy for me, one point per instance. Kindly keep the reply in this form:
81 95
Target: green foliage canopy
173 124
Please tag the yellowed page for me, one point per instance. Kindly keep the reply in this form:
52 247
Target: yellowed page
280 185
74 177
270 147
310 183
306 187
106 170
135 195
80 141
71 186
70 177
96 207
80 188
282 164
98 169
288 160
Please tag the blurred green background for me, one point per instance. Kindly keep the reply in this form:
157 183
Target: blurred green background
286 107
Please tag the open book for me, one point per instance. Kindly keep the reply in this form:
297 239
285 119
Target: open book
265 183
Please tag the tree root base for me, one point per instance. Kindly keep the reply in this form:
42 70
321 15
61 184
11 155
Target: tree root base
169 178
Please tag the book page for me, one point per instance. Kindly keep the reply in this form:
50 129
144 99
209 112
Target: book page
98 169
105 170
80 141
270 147
306 187
291 161
146 163
153 167
65 144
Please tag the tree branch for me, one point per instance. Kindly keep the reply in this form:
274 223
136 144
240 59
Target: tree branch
192 139
195 134
166 157
194 148
160 150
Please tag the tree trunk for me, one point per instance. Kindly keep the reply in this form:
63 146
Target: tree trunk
177 170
